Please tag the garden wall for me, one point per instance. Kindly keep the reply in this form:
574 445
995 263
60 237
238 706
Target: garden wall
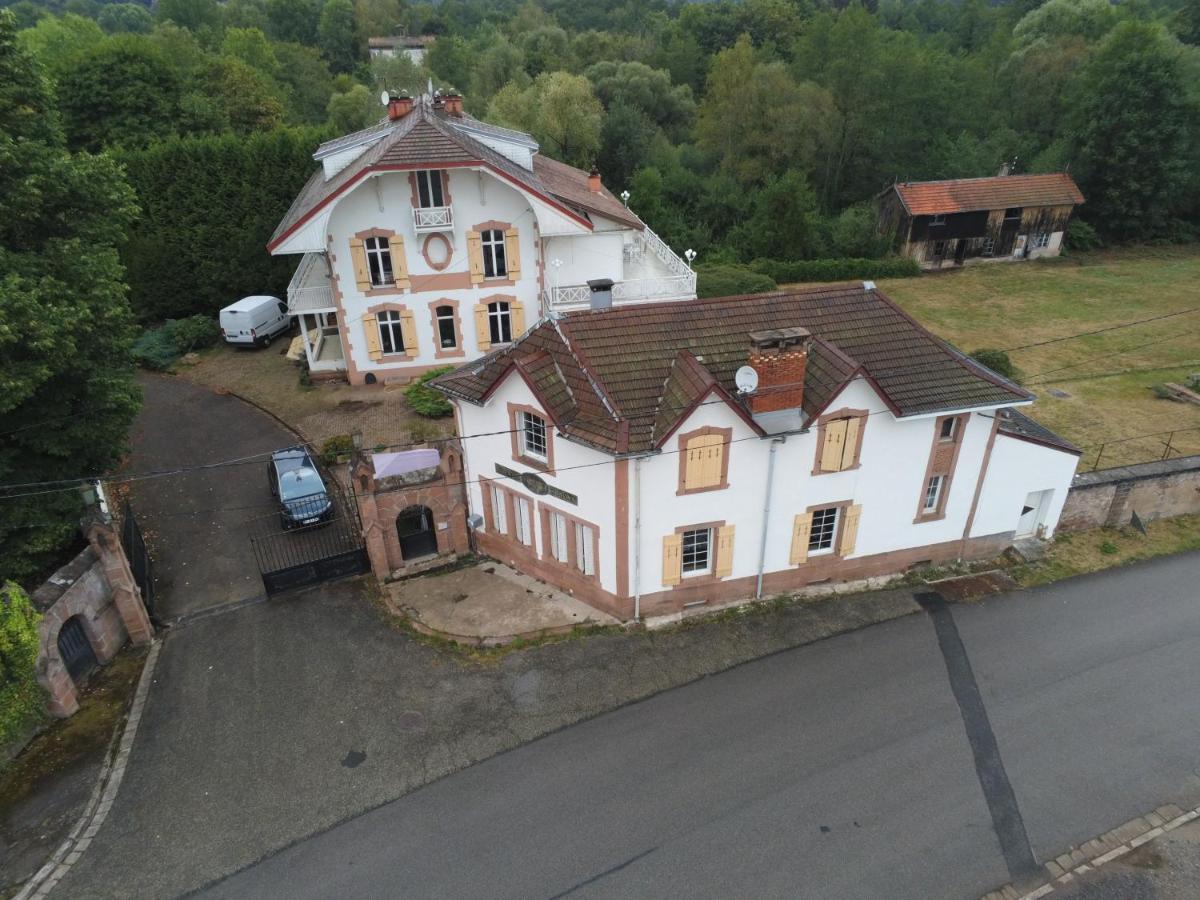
1154 490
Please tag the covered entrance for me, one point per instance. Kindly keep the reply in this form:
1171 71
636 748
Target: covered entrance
414 527
75 649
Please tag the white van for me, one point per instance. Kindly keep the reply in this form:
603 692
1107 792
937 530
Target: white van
254 320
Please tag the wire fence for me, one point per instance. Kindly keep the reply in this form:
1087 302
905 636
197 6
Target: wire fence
1144 448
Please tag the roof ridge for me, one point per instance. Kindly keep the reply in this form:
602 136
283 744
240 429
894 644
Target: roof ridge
1010 177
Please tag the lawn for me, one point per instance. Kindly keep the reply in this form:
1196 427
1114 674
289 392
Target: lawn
1109 382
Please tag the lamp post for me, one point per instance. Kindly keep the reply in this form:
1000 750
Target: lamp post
689 254
557 264
625 198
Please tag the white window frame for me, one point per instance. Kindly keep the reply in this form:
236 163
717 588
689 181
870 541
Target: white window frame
495 253
684 552
391 332
499 321
444 316
379 261
429 182
1041 240
933 493
499 510
523 520
938 219
558 537
819 532
534 430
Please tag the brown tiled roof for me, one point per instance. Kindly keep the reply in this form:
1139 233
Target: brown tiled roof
1018 425
414 41
635 371
924 198
428 136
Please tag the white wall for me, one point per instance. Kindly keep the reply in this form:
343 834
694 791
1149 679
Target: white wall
584 258
1016 469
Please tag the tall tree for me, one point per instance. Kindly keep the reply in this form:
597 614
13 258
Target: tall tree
62 219
560 111
337 36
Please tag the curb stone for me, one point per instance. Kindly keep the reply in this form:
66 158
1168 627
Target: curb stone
1096 852
101 800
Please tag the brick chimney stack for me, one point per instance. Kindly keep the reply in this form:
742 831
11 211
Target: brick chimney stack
594 180
780 357
399 106
452 103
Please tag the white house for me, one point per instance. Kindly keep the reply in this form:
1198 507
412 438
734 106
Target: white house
412 46
610 453
433 238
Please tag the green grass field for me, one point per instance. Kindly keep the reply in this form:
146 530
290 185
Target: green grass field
1111 374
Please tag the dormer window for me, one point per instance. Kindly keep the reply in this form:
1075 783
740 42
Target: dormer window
429 189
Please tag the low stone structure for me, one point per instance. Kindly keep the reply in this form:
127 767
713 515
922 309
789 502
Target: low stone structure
413 518
96 589
1154 490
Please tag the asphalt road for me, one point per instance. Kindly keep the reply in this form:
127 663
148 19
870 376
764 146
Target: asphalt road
931 756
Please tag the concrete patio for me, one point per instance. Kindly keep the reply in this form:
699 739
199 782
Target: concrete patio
489 605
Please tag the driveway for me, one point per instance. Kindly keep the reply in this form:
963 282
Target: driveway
197 523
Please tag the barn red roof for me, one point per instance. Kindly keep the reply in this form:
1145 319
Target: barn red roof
925 198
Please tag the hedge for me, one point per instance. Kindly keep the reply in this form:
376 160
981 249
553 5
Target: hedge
731 280
427 401
850 269
21 699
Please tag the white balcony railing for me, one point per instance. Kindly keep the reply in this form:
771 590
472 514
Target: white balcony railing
309 289
638 290
432 218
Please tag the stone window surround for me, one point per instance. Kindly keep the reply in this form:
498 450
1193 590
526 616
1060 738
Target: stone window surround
416 195
714 549
510 512
727 435
863 415
389 357
439 352
383 290
839 531
571 565
939 513
517 435
492 225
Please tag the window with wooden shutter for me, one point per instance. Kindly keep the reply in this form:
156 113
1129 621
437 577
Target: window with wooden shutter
850 448
835 443
801 531
702 462
399 262
371 331
483 338
517 311
358 257
672 558
475 256
850 530
409 330
724 551
839 437
512 254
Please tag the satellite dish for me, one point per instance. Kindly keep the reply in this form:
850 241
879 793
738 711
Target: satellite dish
746 380
385 98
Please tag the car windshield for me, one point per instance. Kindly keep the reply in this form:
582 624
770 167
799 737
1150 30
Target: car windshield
300 483
287 460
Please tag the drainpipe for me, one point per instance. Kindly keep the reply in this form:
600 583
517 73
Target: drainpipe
762 548
637 539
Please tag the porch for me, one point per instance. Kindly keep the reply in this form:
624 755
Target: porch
310 299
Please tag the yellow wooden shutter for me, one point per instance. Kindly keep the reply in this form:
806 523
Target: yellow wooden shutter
672 558
475 256
371 330
517 311
408 329
358 257
850 530
705 454
714 457
831 451
693 467
853 428
483 337
512 253
725 551
399 262
801 531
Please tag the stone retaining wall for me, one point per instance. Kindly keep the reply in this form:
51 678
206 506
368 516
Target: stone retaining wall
1154 490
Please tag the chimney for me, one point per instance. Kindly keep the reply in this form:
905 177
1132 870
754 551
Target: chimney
453 103
780 357
594 180
399 106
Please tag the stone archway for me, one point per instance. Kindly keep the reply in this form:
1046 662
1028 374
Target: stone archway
415 531
93 616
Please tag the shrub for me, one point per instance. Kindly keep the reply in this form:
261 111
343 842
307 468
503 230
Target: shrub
1082 236
848 269
727 281
193 333
338 445
155 350
20 694
1108 548
997 361
427 401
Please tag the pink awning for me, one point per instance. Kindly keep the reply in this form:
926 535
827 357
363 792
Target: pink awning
390 464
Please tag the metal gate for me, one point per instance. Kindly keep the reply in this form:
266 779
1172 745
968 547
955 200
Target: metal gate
75 649
414 527
291 554
139 558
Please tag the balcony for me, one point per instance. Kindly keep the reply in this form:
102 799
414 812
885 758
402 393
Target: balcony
432 218
568 297
310 290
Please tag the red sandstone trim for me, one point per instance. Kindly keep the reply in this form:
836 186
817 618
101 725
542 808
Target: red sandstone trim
863 415
943 459
726 441
459 350
517 438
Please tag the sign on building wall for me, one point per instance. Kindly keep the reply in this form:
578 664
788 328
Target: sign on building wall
536 484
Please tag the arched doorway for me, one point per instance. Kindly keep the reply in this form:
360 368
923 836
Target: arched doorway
75 649
414 526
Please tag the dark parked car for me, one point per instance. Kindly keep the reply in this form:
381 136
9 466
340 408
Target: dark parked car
296 483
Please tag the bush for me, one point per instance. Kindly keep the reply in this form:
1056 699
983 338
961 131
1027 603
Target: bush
427 401
1108 548
155 350
338 445
1082 236
192 333
20 694
997 361
848 269
728 281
